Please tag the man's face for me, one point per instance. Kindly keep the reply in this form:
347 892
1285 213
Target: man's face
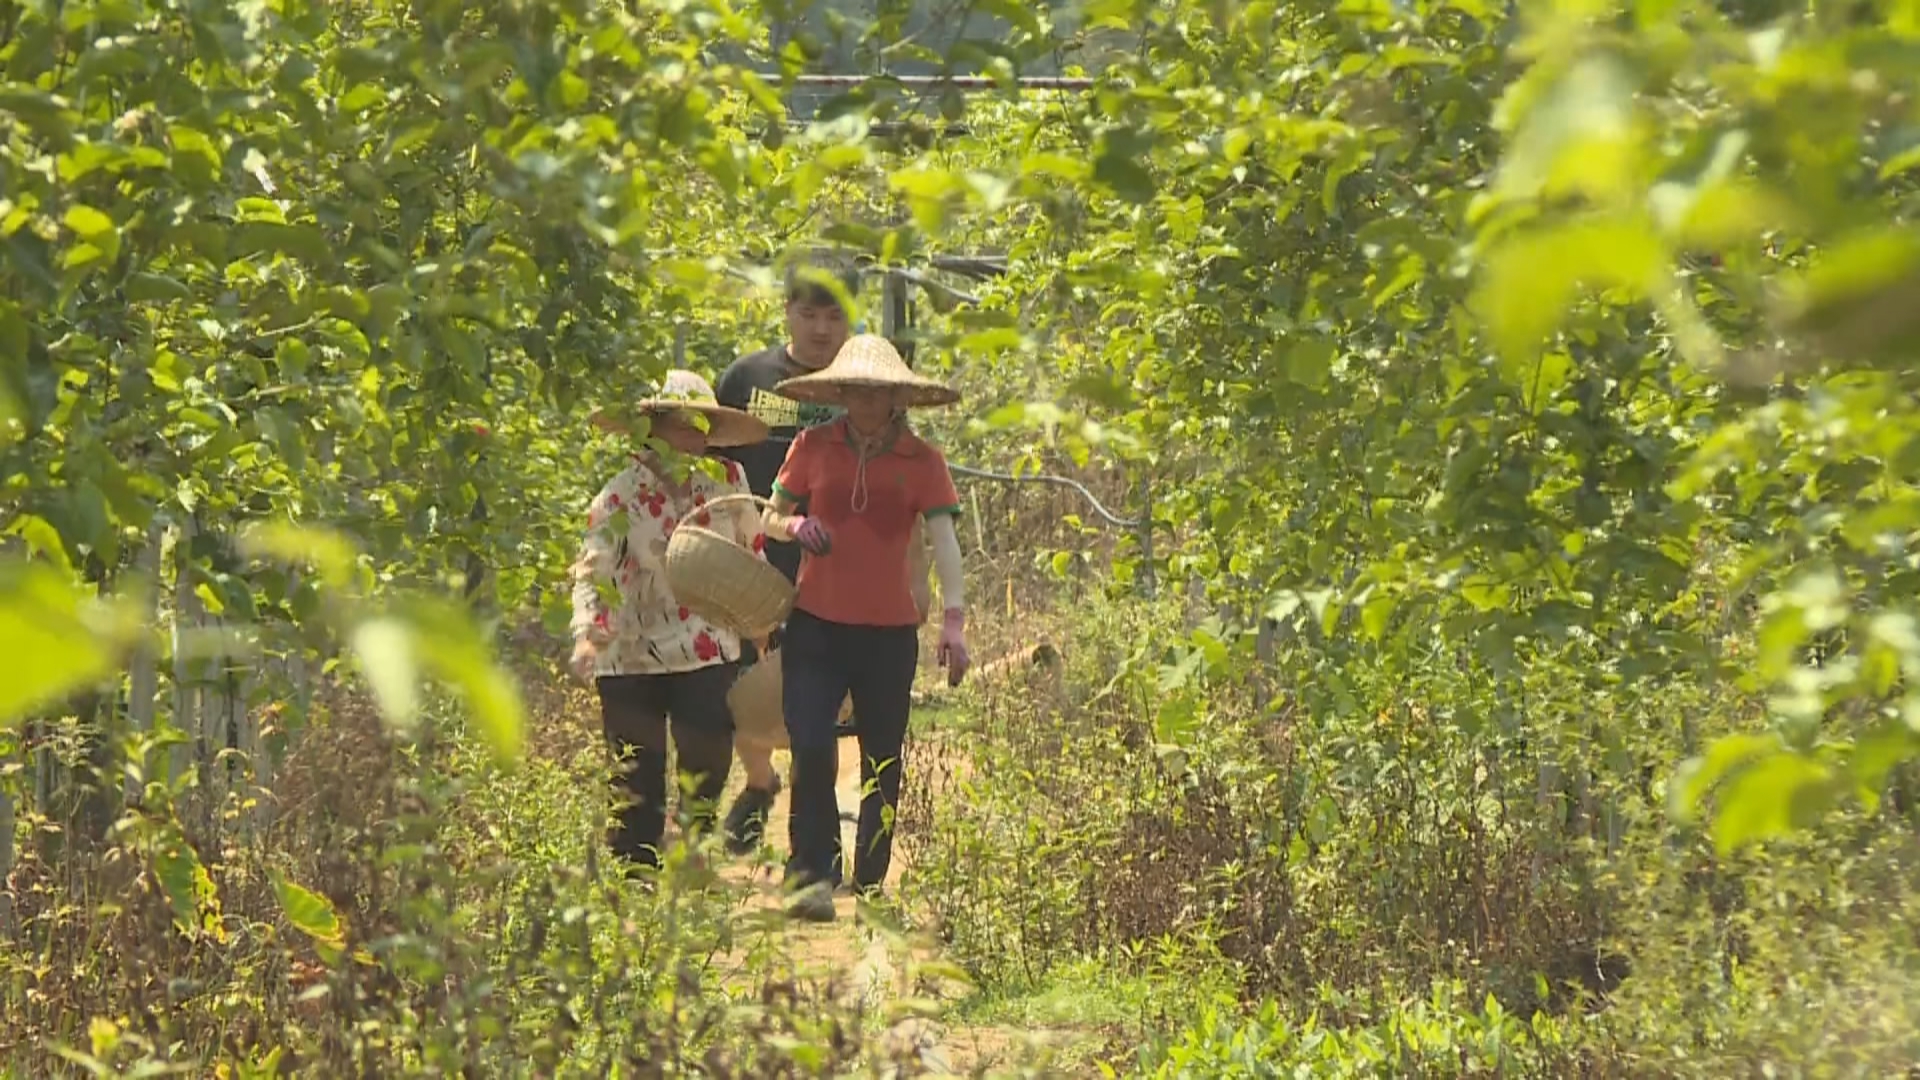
816 331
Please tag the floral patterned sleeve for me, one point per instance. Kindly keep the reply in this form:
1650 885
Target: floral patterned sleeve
747 529
595 565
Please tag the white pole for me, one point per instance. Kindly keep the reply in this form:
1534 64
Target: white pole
143 676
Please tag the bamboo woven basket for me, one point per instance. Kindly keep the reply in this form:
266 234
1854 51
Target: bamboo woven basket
755 703
724 583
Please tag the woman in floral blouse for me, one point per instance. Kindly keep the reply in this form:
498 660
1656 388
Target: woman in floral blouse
654 663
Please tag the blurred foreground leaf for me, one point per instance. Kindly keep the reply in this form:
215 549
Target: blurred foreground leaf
56 640
325 550
433 638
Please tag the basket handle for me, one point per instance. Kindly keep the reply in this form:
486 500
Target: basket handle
735 497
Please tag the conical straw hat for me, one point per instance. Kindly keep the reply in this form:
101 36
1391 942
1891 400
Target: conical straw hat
867 360
686 391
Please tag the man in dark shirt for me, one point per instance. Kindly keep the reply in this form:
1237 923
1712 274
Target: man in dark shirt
816 328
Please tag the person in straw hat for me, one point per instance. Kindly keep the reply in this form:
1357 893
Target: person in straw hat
817 327
866 480
655 664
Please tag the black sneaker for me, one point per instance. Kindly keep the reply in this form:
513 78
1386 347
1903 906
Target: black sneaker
812 904
747 821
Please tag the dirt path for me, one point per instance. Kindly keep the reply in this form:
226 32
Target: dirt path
839 949
859 962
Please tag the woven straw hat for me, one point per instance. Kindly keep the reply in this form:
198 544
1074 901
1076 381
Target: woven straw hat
867 360
686 391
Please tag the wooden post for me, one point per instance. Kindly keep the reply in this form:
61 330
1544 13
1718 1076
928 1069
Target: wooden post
186 612
1148 584
297 675
893 313
217 700
143 675
1549 793
251 772
41 761
6 864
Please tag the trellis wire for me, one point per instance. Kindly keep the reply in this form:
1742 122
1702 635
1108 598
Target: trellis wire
1141 527
1048 478
957 82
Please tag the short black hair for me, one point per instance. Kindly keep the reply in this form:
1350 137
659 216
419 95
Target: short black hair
803 288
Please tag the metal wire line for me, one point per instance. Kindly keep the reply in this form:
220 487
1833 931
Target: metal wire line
1048 478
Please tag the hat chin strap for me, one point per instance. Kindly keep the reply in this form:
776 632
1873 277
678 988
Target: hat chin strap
866 448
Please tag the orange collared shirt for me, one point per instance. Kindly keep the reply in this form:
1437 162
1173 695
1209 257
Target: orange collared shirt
863 580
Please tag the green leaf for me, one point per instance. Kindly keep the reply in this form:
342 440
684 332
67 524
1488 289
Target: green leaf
185 880
329 552
1310 362
1412 271
1329 612
431 637
80 256
1103 388
1175 721
1347 160
56 643
1877 754
1485 593
1540 381
313 915
16 338
1117 164
997 339
210 598
1376 613
1900 162
1773 797
361 98
87 223
301 241
452 648
43 540
145 287
1580 136
1283 605
46 115
1697 775
1861 297
383 647
1531 280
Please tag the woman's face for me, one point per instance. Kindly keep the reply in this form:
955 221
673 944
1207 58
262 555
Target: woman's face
869 407
679 434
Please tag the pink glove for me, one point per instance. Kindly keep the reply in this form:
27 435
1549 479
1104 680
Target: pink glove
953 645
811 535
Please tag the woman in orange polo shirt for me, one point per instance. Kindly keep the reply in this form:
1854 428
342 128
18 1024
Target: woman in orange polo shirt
865 479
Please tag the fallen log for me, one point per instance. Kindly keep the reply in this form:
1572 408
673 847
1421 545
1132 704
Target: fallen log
1042 655
1039 667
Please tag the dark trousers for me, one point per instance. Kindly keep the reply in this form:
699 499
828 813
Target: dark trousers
636 712
821 663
